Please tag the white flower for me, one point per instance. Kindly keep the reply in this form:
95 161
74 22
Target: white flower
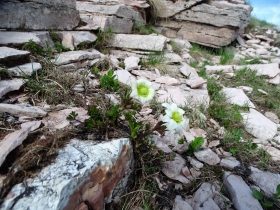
174 119
142 90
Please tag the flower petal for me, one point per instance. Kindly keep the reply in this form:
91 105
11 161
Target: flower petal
171 125
166 105
165 118
133 93
184 124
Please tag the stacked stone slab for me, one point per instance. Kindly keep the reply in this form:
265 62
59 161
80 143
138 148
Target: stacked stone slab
213 23
108 15
39 14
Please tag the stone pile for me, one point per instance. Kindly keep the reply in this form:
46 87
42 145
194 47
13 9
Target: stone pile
213 23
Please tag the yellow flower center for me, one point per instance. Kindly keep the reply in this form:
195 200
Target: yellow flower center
177 117
143 90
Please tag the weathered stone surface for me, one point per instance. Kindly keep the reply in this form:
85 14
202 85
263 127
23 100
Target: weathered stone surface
58 120
141 42
275 153
237 96
207 156
81 172
167 80
270 70
173 169
7 86
215 69
25 69
171 58
180 204
195 83
275 80
131 63
147 74
258 125
42 15
18 39
208 35
205 192
117 10
14 139
189 71
171 8
265 180
229 163
76 56
241 195
94 22
195 163
273 117
125 77
10 57
22 110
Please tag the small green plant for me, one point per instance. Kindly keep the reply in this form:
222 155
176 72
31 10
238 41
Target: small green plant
109 81
34 48
103 38
175 47
144 29
4 73
122 64
194 145
226 55
72 116
60 48
153 59
259 196
233 150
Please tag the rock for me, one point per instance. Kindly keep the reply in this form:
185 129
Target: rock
111 98
207 156
241 195
76 56
147 74
7 86
171 58
258 125
67 40
25 69
131 63
21 110
180 204
265 180
253 41
141 42
18 39
93 22
246 88
14 139
240 40
43 15
173 169
215 69
237 96
270 70
195 83
214 143
58 120
167 80
125 77
209 204
10 57
205 192
189 71
273 117
275 153
174 95
229 163
195 163
195 173
275 80
183 44
82 172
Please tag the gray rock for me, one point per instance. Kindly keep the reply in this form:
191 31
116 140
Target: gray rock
180 204
10 57
7 86
209 204
189 71
240 193
131 63
76 56
258 125
215 69
273 117
270 70
14 139
125 77
21 110
265 180
141 42
25 69
237 96
81 172
18 39
42 14
207 156
205 192
229 163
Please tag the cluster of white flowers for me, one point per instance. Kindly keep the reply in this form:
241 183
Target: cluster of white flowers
143 91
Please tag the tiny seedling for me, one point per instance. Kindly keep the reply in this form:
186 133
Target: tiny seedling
194 145
109 81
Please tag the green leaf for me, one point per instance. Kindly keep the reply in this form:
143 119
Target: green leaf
278 189
267 204
181 141
257 194
233 150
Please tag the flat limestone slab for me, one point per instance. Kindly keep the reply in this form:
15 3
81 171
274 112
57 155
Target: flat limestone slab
237 96
20 110
258 125
12 140
25 69
76 56
270 70
7 86
11 57
140 42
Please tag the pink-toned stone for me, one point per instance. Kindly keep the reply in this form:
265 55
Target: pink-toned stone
148 74
194 83
125 77
186 171
270 70
198 132
167 80
275 80
12 140
189 71
195 173
207 156
57 120
173 94
214 143
275 153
